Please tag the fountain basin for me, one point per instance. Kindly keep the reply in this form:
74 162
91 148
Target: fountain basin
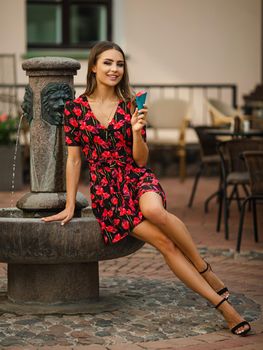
49 263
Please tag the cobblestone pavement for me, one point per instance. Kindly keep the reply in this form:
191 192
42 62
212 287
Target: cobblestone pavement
153 309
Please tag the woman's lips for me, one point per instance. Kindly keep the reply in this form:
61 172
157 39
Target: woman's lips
113 77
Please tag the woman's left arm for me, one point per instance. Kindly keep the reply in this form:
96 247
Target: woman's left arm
140 149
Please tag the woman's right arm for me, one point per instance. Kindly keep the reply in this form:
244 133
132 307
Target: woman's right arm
73 167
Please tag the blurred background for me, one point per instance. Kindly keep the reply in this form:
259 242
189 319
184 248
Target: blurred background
191 52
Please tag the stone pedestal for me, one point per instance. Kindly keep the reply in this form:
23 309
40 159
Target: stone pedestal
54 268
50 86
53 283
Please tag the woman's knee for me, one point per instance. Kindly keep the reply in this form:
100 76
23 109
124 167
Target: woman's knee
148 232
156 214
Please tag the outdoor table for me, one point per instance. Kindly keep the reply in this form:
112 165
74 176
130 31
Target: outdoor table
229 132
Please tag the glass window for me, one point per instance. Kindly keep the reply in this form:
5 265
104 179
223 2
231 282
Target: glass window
88 23
67 23
44 24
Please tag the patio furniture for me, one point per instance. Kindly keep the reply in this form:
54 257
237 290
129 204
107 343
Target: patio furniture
221 113
209 158
169 119
254 163
234 174
216 131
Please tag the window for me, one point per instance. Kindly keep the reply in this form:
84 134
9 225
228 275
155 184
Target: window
68 23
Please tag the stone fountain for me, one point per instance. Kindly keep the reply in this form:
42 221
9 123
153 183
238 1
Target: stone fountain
51 268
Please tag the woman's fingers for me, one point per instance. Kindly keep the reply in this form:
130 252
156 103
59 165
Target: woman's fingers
67 219
56 217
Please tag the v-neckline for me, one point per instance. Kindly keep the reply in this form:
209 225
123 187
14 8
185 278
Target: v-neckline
97 120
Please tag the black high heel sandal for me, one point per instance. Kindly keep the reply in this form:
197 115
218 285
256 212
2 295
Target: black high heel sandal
221 291
241 324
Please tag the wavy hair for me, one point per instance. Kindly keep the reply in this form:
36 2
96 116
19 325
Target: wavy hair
123 89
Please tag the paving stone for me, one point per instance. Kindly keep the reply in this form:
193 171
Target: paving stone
56 347
27 321
89 347
125 347
59 330
8 341
79 334
24 334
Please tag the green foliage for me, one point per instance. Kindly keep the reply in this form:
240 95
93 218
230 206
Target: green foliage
8 129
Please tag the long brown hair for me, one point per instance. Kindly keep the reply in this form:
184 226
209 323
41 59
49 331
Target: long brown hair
123 89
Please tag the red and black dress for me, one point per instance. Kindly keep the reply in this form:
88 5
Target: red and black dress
116 181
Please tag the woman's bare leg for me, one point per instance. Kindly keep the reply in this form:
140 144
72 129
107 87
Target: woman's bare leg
183 269
152 208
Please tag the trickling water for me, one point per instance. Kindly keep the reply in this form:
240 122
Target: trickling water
14 163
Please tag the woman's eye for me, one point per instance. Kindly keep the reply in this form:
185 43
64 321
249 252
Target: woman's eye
120 65
107 62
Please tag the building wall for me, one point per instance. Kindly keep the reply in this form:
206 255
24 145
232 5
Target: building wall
184 41
170 41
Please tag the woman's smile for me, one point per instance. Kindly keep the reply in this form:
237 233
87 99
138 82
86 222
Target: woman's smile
109 67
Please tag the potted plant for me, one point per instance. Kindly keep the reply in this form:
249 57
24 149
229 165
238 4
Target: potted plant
8 132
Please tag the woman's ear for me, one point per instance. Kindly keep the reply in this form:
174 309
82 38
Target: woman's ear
93 69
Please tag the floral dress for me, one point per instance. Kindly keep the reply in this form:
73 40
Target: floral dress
116 181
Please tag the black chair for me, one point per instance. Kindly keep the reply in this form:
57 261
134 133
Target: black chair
234 174
254 163
209 158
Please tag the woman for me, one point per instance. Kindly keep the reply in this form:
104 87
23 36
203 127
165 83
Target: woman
126 196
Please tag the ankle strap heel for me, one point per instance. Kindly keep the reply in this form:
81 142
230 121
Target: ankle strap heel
208 267
220 303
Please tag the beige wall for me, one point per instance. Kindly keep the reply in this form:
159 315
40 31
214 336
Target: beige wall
12 26
183 41
170 41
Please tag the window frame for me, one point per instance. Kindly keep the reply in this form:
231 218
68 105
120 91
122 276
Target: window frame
65 5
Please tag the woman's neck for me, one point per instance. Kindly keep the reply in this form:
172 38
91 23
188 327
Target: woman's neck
103 94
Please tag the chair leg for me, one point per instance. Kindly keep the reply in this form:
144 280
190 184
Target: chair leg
215 194
197 177
226 212
219 214
255 224
182 167
245 190
241 221
239 202
247 194
233 192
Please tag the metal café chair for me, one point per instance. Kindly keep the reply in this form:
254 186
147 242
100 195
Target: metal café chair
234 175
254 164
209 158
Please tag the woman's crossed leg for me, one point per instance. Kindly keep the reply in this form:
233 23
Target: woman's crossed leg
175 250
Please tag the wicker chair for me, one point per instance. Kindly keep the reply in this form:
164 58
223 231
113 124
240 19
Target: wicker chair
209 158
254 163
234 174
221 113
169 119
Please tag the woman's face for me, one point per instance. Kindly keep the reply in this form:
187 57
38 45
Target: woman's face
109 68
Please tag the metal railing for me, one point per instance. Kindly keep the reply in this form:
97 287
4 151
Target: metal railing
195 94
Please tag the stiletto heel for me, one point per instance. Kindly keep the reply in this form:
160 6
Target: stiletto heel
221 291
237 326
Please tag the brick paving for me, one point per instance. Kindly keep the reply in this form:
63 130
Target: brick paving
242 273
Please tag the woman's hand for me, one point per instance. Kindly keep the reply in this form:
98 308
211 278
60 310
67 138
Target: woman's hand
138 120
64 216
